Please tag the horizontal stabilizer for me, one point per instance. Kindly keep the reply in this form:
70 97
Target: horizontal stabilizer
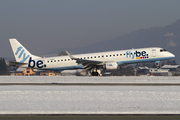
16 64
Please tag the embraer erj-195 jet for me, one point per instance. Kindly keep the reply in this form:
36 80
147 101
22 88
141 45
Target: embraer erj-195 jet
92 61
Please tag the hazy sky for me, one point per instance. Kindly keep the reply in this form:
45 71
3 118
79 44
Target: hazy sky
45 25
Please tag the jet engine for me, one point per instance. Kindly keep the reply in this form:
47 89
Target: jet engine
111 66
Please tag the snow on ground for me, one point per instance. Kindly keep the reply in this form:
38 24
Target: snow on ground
53 99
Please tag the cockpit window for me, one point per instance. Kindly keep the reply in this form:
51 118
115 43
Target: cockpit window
162 50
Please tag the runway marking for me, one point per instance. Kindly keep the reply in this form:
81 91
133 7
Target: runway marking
91 116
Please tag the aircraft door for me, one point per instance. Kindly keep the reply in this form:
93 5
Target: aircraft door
154 52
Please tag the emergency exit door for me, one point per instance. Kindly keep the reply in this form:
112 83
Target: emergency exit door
154 52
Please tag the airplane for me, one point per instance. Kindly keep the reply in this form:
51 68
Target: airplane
92 62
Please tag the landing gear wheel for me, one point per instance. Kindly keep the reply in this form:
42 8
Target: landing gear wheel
157 63
94 73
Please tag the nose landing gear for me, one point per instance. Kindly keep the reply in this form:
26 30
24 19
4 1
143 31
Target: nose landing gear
157 64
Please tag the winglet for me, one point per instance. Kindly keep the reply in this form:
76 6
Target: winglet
73 58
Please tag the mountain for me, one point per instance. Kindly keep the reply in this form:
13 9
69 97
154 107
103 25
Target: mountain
167 37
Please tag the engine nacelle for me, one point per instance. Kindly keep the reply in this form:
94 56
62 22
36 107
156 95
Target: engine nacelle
111 66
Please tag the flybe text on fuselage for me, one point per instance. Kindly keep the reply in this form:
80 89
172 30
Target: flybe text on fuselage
137 55
33 63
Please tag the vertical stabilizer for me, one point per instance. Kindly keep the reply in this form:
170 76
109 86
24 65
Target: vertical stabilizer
21 54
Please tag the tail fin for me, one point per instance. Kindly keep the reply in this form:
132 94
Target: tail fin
21 54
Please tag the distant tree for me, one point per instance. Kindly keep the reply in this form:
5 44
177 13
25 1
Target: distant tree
3 67
173 62
62 53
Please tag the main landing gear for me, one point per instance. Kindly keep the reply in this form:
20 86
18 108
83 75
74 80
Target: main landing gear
95 72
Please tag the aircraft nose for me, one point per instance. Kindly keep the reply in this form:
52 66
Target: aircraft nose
172 55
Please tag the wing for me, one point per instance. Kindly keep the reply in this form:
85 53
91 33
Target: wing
88 64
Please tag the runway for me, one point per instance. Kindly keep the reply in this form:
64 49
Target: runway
90 81
97 84
91 117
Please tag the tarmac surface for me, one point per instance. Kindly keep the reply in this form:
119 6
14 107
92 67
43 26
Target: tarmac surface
97 84
91 117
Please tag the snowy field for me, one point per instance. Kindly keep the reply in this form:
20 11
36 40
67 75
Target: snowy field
53 99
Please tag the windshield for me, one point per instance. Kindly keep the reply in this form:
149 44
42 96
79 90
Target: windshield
162 50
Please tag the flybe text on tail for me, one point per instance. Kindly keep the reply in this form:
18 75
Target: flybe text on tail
22 54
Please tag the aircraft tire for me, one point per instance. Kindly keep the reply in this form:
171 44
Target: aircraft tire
94 73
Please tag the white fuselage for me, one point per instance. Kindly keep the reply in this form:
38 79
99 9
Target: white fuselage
121 57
